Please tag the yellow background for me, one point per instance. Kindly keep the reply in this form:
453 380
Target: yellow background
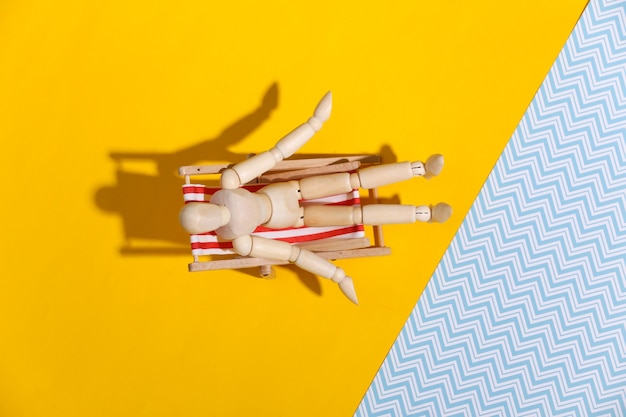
100 101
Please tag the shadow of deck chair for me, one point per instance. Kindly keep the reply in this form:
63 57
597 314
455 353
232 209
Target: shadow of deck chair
328 242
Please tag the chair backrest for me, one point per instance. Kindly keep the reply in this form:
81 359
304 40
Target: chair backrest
210 244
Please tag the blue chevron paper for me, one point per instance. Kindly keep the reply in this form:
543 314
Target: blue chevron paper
526 313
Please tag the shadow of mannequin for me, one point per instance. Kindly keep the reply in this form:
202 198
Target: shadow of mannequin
149 204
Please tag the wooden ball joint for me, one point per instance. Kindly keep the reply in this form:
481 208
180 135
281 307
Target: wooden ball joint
234 213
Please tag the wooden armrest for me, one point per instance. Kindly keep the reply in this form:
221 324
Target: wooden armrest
201 169
308 172
287 164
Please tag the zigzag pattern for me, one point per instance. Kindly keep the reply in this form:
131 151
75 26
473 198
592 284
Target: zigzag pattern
526 313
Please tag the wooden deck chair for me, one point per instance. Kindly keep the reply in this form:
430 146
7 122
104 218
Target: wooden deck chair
328 242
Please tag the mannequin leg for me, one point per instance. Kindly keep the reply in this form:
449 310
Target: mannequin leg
379 175
370 177
375 214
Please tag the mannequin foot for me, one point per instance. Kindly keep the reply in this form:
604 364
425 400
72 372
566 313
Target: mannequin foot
347 288
433 214
432 167
441 212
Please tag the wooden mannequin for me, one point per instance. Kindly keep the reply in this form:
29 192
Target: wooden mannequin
234 213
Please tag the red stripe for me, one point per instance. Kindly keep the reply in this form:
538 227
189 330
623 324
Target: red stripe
293 239
323 235
193 189
212 245
254 188
212 190
351 202
261 229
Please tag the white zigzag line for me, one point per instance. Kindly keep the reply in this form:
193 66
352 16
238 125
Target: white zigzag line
610 147
598 106
548 359
567 77
484 316
517 221
512 370
552 193
430 361
390 398
530 282
527 332
400 407
501 265
605 322
595 35
589 55
613 29
447 376
592 161
411 382
592 225
554 181
577 236
507 372
586 57
569 266
546 129
616 10
399 391
540 262
591 87
550 108
564 290
580 134
531 260
549 114
549 133
472 387
524 303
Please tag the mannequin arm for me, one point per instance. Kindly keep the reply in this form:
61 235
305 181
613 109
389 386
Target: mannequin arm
247 170
277 250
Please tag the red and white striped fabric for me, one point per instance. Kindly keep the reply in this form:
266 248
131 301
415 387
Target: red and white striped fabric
210 244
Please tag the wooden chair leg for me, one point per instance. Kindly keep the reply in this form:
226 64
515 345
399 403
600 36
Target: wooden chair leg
265 271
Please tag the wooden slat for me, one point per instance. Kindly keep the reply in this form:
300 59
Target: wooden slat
244 262
308 172
356 253
336 244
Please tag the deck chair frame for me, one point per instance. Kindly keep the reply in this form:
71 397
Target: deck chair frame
292 169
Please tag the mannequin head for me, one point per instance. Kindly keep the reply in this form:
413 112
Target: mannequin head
197 218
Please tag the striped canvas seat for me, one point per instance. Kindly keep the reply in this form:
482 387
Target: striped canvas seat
210 244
